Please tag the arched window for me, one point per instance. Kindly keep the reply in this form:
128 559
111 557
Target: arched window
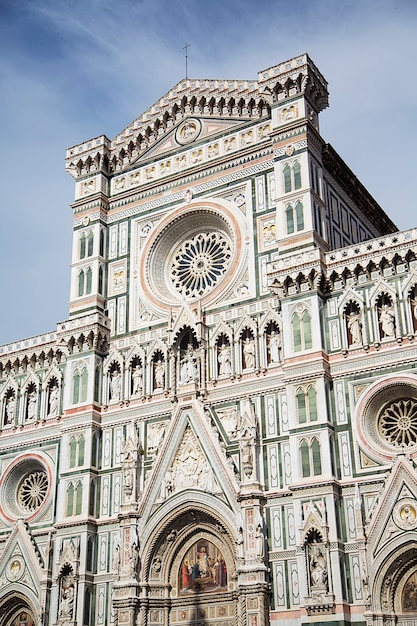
89 280
81 450
310 457
70 500
289 216
308 340
76 388
84 384
90 554
299 215
312 403
301 406
80 386
292 176
297 175
100 279
78 498
94 450
316 456
294 216
287 178
73 452
81 282
82 246
301 326
101 243
305 458
90 240
92 499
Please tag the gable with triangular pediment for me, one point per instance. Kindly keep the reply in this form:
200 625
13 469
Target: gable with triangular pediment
396 512
190 458
20 563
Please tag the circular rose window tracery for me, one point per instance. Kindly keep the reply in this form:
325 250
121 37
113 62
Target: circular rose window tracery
398 423
33 490
193 254
387 418
199 263
25 488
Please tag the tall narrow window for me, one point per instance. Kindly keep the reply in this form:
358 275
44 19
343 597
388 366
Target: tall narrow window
90 244
296 329
308 339
70 500
84 385
91 507
82 246
81 450
289 215
100 279
312 404
76 388
299 216
301 406
287 178
101 243
297 175
81 279
316 457
301 329
305 458
73 452
89 282
78 498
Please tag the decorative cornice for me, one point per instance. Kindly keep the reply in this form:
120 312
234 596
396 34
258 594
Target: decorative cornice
238 100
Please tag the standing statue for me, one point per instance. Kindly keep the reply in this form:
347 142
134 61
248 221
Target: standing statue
159 374
10 409
249 354
318 570
32 405
188 366
67 600
387 319
134 559
53 401
274 346
115 385
354 325
225 360
137 380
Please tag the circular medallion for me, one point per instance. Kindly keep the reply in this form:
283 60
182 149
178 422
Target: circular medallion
405 514
188 131
15 568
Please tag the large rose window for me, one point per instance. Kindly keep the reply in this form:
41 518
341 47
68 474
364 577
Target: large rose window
192 255
398 423
388 418
32 491
199 263
25 488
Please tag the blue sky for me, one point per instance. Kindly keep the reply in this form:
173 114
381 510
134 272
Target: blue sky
74 69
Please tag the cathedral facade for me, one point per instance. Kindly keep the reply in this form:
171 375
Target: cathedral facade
224 430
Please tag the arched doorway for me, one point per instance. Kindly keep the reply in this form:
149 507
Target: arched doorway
15 610
192 566
395 589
